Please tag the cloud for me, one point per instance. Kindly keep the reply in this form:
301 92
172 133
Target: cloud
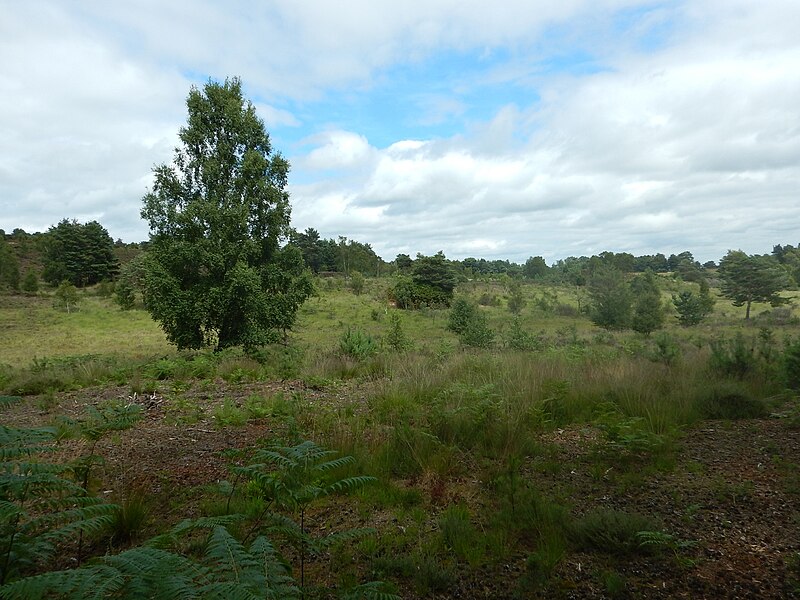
579 126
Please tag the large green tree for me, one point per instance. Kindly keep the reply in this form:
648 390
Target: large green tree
216 273
747 279
611 298
82 254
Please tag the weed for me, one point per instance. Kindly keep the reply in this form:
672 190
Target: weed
229 414
459 534
130 517
610 531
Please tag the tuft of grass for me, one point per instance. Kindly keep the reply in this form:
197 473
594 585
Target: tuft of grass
611 532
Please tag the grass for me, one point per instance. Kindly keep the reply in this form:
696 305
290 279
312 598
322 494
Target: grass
33 329
434 419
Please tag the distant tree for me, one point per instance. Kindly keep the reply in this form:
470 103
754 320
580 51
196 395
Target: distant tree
310 246
431 283
648 309
516 299
747 279
30 283
357 282
535 268
693 308
9 266
610 298
66 297
461 312
216 274
80 254
403 262
468 322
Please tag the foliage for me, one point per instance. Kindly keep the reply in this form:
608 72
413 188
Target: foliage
66 297
357 344
470 324
430 284
215 271
461 313
9 266
396 337
357 282
611 298
80 254
747 279
516 299
733 357
535 268
519 339
39 506
288 479
693 308
791 364
30 283
227 569
611 532
729 401
648 310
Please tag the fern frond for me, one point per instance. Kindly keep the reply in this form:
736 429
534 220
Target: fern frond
345 536
349 483
336 463
373 590
6 401
276 458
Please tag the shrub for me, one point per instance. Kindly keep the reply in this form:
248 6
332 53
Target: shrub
729 401
396 338
357 344
791 365
611 532
732 357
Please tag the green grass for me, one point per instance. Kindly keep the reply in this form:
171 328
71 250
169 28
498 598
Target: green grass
31 329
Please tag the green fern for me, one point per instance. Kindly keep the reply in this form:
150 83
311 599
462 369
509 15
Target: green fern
39 506
227 570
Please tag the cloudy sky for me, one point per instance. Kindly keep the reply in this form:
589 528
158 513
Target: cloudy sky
490 129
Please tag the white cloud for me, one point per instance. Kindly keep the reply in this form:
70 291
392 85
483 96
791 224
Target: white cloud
693 143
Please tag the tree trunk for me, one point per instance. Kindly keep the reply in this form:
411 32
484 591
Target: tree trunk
747 314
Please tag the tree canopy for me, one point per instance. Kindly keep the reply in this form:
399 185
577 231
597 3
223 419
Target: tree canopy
216 273
80 254
747 279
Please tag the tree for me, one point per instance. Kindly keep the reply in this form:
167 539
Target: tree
747 279
80 254
9 266
431 283
434 274
516 299
30 283
648 310
535 268
216 273
611 298
66 297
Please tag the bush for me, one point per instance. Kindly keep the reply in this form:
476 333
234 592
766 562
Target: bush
791 365
357 344
729 401
732 357
610 532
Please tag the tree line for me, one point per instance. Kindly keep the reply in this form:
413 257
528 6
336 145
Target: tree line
224 267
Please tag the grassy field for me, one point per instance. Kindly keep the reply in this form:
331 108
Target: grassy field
593 463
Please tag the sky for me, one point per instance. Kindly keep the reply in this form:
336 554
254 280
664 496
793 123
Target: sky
498 130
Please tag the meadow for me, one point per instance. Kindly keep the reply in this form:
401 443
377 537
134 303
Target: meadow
562 460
